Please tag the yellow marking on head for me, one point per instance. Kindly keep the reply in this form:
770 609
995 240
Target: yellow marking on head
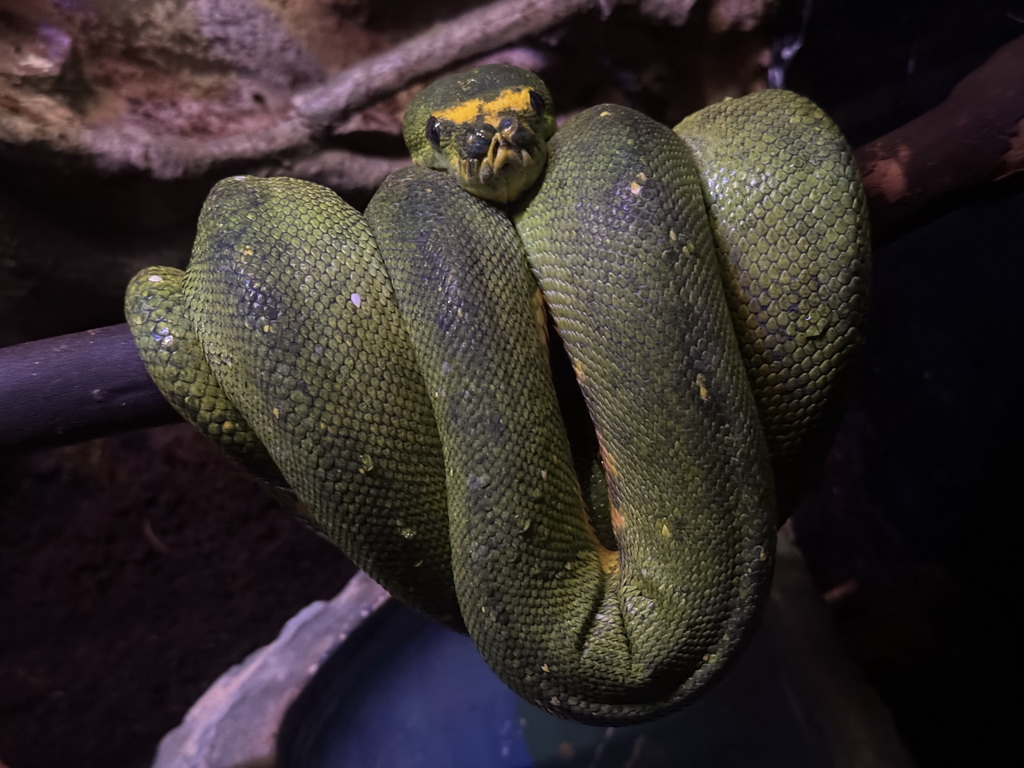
635 188
545 668
702 387
470 110
665 531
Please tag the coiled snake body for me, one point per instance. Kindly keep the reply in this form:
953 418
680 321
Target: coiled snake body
393 368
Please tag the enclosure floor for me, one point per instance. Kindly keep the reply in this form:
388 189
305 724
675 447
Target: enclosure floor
133 571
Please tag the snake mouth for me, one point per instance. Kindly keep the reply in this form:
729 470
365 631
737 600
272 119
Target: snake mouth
500 162
500 178
505 158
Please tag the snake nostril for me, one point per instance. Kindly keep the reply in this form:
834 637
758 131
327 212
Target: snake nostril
480 142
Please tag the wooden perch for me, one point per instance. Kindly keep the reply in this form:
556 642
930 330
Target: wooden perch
71 388
64 389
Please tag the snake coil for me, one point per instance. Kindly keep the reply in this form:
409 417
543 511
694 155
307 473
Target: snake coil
708 285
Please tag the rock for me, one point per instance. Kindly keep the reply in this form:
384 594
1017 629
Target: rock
235 723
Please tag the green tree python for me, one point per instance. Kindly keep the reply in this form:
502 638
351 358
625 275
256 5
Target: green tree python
708 285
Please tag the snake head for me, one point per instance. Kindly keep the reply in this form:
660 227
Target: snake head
488 127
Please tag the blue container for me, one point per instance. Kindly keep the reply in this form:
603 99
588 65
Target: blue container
403 691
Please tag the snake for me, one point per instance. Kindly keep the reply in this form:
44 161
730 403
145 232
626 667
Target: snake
705 287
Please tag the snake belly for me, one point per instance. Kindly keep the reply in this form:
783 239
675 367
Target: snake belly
396 372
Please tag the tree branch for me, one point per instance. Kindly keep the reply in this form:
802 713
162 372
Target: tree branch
120 147
474 33
975 136
64 389
71 388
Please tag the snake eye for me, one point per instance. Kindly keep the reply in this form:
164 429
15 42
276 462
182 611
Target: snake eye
434 132
537 102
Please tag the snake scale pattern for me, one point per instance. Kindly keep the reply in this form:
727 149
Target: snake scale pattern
392 369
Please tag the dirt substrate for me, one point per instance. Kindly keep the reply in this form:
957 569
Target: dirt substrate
133 571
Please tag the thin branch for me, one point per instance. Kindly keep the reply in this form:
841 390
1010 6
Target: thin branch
123 146
471 34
